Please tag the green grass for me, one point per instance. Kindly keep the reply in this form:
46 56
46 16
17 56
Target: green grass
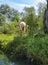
6 37
31 47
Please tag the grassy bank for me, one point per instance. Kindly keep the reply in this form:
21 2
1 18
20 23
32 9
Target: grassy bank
6 36
30 48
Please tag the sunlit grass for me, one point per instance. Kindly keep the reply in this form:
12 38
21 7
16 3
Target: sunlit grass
6 37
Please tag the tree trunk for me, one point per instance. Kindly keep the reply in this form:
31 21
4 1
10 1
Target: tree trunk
46 22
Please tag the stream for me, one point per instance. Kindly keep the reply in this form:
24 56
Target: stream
5 61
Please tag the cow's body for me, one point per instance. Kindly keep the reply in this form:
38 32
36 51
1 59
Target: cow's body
22 26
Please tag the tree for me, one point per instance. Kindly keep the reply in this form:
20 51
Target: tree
2 19
41 10
7 10
17 18
30 18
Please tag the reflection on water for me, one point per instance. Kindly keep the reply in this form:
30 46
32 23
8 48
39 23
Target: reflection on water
12 64
4 62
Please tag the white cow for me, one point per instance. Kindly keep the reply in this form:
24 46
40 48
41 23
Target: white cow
22 26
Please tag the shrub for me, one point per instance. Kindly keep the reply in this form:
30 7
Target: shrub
34 49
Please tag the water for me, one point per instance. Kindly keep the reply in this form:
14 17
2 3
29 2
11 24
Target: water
5 61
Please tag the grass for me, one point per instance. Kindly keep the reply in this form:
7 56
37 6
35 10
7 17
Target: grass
6 37
30 47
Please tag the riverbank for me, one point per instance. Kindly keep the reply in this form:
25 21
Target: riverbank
4 60
30 49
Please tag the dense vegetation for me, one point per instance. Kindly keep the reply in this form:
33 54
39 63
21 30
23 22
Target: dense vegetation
31 48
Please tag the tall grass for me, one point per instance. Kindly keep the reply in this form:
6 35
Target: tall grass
34 49
30 48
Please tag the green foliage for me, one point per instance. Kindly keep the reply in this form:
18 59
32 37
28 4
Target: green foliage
41 8
9 28
30 18
2 19
32 48
17 18
32 23
8 11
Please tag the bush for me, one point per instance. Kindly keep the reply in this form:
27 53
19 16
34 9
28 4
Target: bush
33 49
